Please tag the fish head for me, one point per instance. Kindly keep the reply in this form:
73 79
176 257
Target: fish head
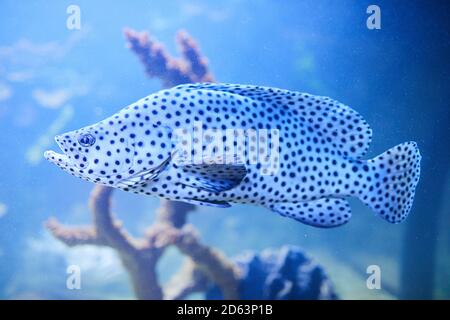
98 153
114 151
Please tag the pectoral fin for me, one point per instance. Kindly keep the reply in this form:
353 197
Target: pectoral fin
218 204
143 177
212 175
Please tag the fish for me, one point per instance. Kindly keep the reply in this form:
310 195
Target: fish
217 144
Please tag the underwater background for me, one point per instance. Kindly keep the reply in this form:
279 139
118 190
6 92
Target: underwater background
53 79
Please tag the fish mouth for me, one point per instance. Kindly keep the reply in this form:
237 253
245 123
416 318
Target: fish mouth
60 159
63 162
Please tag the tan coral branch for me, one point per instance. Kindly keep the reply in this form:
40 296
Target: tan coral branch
157 62
209 260
174 212
192 67
187 280
191 53
106 226
73 236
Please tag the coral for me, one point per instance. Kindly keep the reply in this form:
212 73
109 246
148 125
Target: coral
286 273
139 256
192 67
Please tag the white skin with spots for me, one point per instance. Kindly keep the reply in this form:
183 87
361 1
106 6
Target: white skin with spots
321 145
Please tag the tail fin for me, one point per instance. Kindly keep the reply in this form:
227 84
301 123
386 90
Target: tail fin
395 176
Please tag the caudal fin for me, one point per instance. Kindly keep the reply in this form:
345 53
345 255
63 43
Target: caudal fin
395 175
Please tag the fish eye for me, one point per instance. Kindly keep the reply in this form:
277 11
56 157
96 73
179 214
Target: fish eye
86 140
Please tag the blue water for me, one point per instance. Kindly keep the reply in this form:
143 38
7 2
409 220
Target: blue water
53 79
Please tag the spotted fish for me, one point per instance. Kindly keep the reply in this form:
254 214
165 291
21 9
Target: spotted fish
317 165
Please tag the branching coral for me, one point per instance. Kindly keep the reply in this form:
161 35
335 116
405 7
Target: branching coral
140 256
191 67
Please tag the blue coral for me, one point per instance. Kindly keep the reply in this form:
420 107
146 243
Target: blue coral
283 274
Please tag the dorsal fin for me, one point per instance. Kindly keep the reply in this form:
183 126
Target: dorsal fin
341 127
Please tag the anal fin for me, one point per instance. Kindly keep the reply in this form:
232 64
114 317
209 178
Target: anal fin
322 213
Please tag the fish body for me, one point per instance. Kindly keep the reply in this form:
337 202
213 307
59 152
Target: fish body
298 154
